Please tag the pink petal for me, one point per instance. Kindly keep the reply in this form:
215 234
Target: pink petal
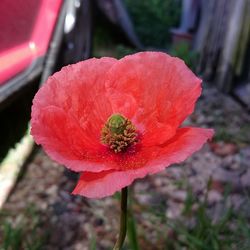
164 91
69 112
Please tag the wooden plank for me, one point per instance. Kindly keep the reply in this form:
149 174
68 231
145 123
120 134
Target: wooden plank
226 66
12 165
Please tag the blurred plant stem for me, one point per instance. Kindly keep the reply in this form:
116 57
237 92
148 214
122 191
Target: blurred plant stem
132 230
123 220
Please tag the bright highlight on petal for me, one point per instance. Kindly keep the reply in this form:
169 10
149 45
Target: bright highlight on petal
118 120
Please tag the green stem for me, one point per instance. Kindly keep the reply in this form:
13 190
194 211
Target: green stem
123 220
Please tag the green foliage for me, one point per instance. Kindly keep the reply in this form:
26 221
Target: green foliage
122 51
230 231
153 19
223 135
243 136
93 242
183 51
105 44
132 232
197 228
12 237
131 225
207 235
24 234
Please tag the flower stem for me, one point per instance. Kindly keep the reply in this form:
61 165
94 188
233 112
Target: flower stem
123 220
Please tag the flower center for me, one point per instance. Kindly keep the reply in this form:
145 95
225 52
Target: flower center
118 133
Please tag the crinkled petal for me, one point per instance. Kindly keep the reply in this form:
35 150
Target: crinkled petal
163 90
68 114
182 145
75 151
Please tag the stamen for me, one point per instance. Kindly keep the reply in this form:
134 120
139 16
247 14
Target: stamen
118 133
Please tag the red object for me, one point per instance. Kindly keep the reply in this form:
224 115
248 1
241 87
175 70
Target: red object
26 27
155 91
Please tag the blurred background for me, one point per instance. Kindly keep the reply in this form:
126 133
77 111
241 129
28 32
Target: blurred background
203 203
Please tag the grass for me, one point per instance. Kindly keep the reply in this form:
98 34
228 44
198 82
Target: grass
195 229
231 231
25 233
223 134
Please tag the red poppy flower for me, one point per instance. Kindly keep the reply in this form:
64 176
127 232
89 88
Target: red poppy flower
118 120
